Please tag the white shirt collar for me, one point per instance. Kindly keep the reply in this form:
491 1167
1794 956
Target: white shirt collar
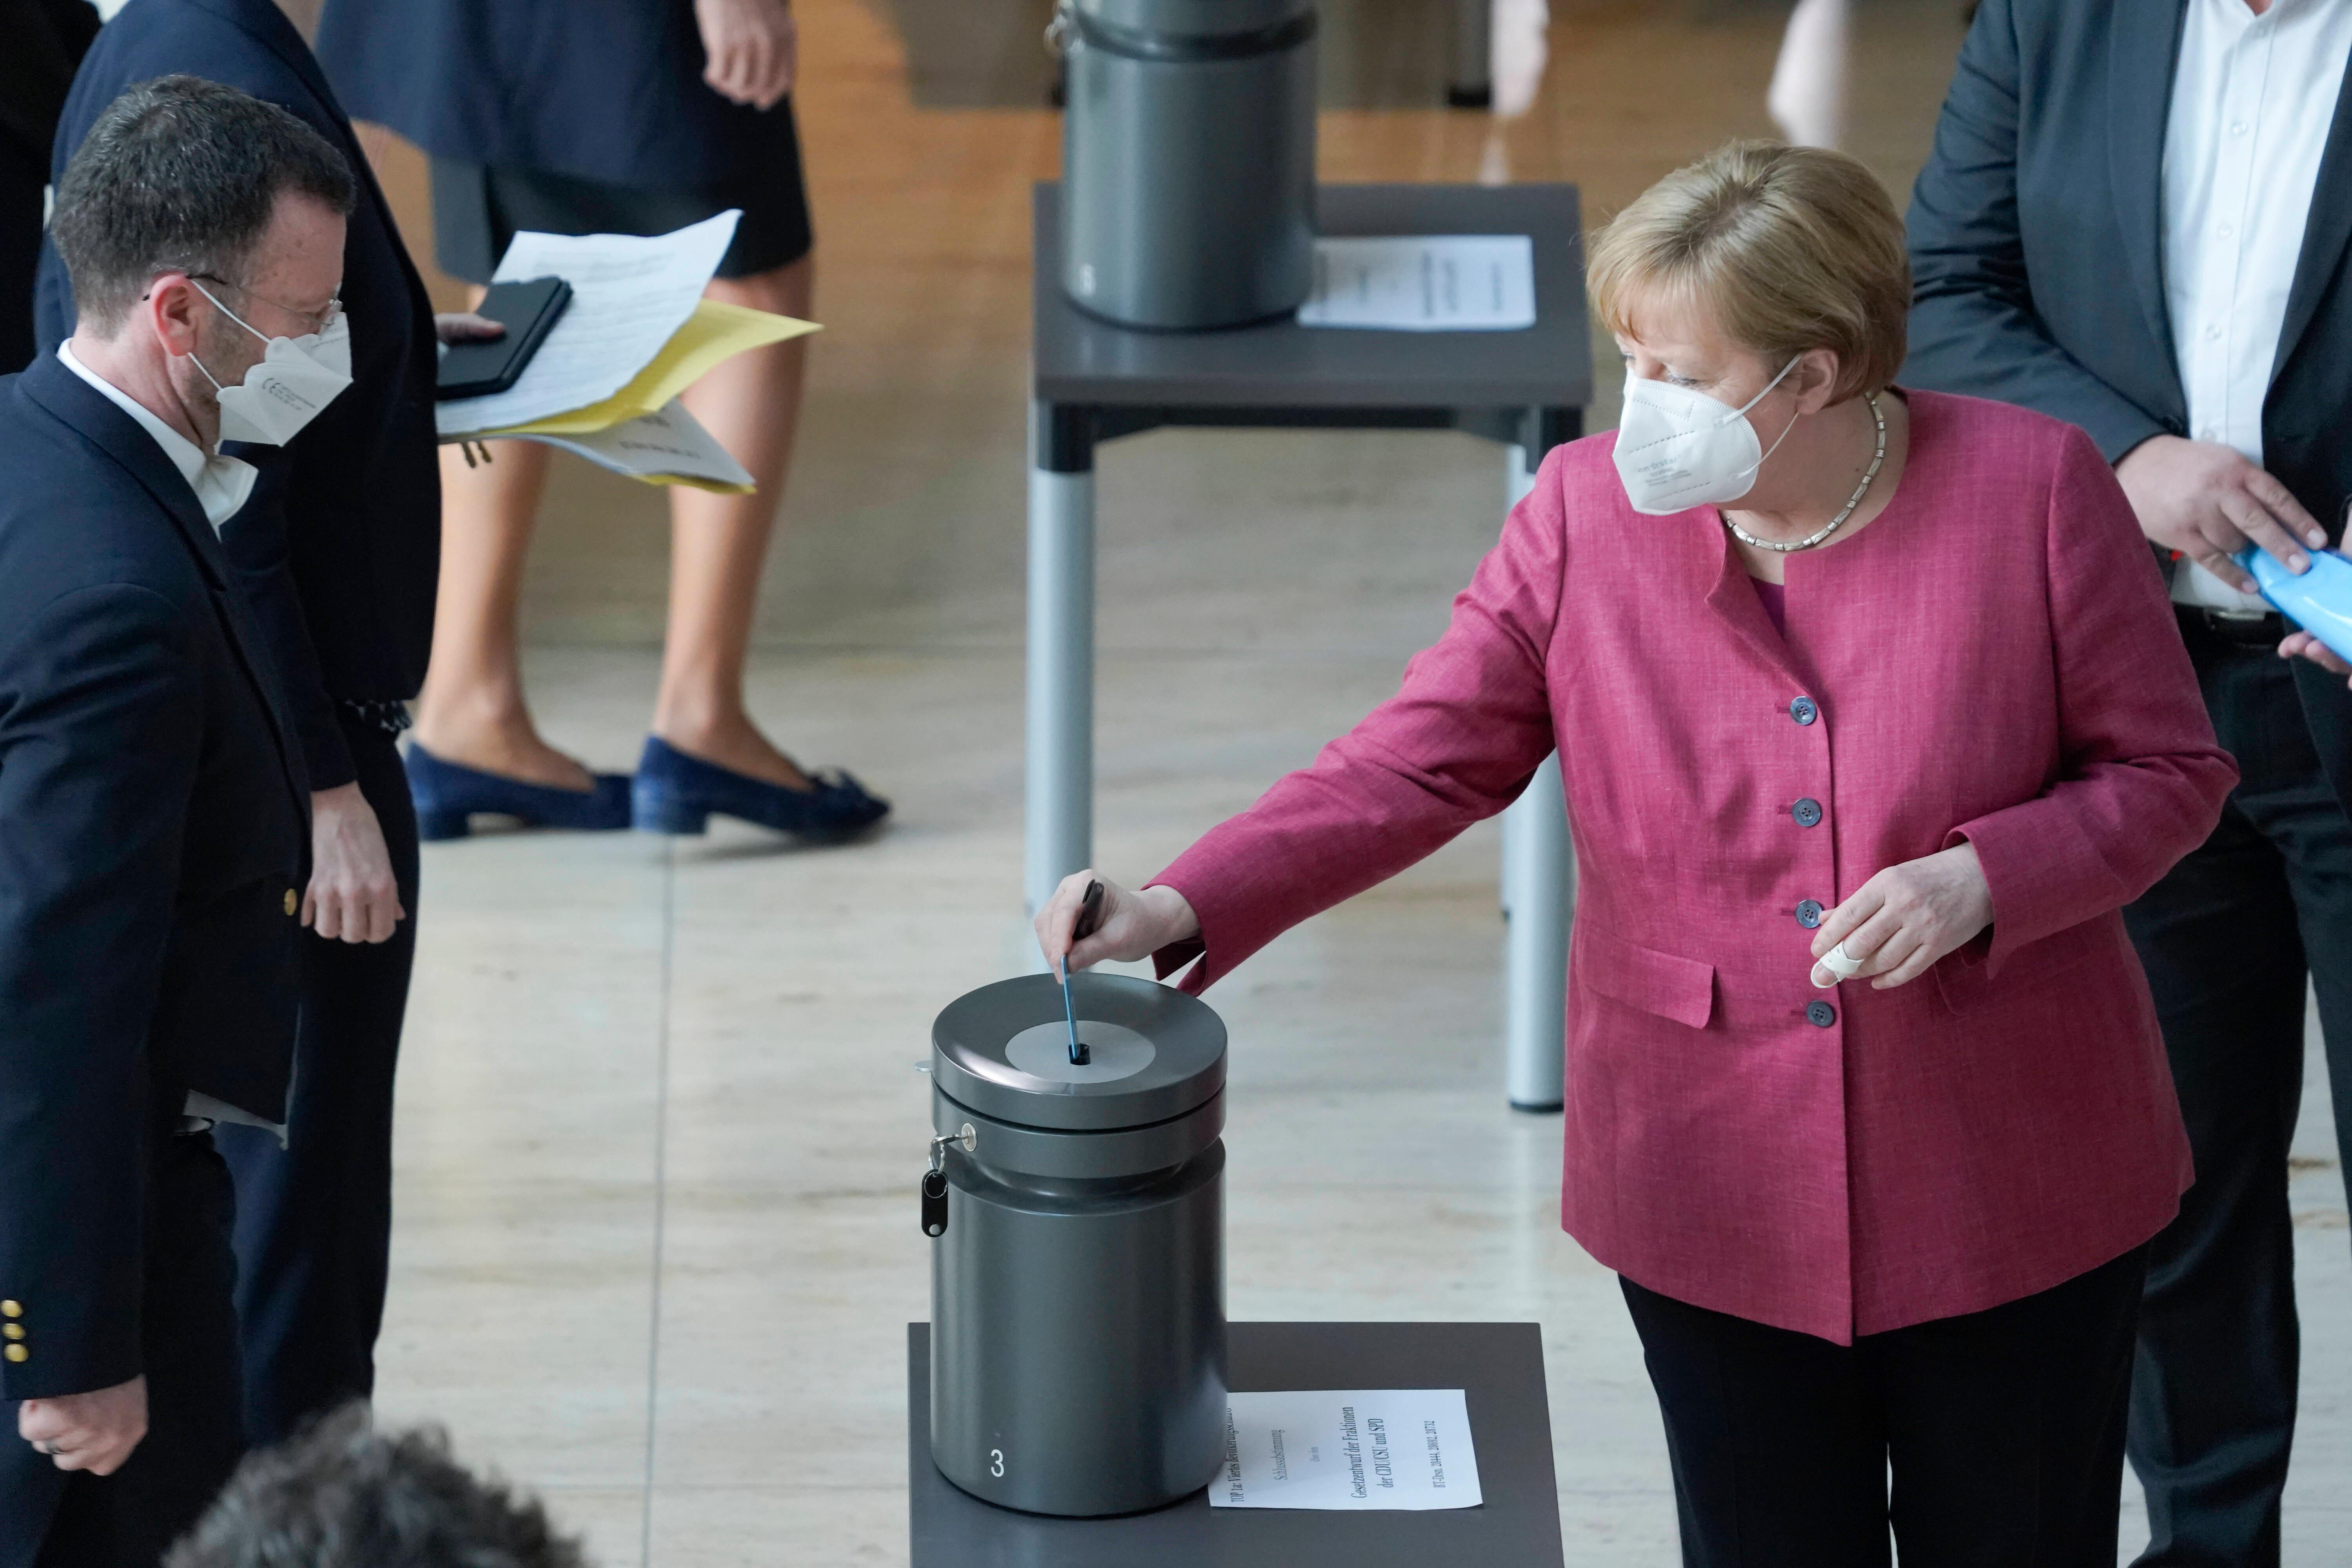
220 484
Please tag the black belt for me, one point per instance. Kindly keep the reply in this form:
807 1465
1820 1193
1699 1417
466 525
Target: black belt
2261 631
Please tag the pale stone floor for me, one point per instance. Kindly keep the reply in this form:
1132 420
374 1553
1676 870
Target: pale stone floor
660 1125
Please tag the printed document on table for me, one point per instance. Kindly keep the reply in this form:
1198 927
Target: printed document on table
1405 1448
630 294
1424 283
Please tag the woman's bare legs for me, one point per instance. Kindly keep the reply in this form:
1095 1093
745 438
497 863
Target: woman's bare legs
751 405
472 711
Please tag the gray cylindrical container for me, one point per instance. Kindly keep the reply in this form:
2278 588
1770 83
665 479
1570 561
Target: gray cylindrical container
1188 160
1077 1291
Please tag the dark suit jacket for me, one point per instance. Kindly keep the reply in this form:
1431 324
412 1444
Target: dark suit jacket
152 831
342 537
604 89
2037 261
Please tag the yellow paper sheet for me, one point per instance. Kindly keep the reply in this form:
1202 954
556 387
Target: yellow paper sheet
715 332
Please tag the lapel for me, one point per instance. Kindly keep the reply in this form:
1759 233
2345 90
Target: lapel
2143 50
1733 599
2324 232
114 433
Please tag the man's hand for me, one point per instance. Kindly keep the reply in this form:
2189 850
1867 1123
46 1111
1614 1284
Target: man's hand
752 48
464 327
1905 918
93 1432
2206 501
352 896
2302 644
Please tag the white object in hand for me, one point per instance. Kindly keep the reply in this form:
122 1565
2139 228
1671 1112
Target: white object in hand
1840 962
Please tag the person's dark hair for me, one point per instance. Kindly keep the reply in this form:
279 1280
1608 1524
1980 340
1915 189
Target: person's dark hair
340 1495
181 175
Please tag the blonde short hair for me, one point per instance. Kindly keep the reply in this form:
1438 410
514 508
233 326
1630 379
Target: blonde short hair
1787 249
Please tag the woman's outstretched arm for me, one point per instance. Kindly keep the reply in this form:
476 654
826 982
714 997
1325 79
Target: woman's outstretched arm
1467 728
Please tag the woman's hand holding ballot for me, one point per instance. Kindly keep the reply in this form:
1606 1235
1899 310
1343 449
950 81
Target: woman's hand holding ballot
1902 921
1133 924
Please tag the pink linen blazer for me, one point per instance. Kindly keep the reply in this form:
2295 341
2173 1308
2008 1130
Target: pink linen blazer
1992 659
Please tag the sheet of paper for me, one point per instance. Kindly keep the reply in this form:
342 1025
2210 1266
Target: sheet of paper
630 294
664 447
1404 1449
1424 283
715 332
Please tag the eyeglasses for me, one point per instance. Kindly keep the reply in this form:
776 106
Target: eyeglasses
324 320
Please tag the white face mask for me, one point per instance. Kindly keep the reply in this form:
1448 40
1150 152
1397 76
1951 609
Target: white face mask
1677 448
296 378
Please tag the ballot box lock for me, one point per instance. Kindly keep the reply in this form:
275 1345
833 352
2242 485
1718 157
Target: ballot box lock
1077 1216
935 1179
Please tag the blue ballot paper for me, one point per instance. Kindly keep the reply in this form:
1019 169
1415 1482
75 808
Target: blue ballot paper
2319 600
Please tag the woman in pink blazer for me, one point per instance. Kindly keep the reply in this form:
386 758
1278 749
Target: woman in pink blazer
1865 1099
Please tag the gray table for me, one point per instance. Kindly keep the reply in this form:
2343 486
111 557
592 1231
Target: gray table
1499 1367
1094 381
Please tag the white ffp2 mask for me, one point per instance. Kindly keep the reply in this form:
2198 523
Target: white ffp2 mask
1677 448
295 378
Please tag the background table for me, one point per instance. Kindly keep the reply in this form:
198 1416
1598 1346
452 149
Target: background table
1498 1366
1094 381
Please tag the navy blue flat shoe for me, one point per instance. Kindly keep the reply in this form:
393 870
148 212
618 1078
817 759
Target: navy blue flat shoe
448 796
675 792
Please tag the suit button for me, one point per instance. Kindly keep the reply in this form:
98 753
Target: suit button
1809 914
1803 712
13 1331
11 1309
1807 812
18 1353
1820 1015
292 903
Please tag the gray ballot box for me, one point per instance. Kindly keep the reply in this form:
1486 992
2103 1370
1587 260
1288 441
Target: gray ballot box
1188 146
1077 1275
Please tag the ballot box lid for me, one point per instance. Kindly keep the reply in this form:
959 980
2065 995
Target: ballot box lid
1154 1053
1170 21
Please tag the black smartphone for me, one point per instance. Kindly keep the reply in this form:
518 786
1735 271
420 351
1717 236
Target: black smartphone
528 310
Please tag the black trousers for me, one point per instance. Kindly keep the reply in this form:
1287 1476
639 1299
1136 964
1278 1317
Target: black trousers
195 1435
2004 1431
2227 939
314 1217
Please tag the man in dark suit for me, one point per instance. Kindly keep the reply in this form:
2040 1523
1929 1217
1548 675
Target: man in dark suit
152 812
2136 218
45 40
340 544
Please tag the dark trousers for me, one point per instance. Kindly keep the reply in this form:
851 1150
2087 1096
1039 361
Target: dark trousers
314 1217
2004 1430
195 1435
2227 939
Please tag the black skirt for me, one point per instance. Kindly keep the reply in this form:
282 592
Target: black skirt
477 210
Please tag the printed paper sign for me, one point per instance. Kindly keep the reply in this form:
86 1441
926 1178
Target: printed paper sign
1348 1448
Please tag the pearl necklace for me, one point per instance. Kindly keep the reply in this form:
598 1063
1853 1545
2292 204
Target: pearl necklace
1829 527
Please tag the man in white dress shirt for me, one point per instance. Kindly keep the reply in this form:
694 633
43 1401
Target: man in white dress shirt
2137 219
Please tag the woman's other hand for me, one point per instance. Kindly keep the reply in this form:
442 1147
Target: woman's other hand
752 47
2302 644
1133 925
1905 918
464 327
